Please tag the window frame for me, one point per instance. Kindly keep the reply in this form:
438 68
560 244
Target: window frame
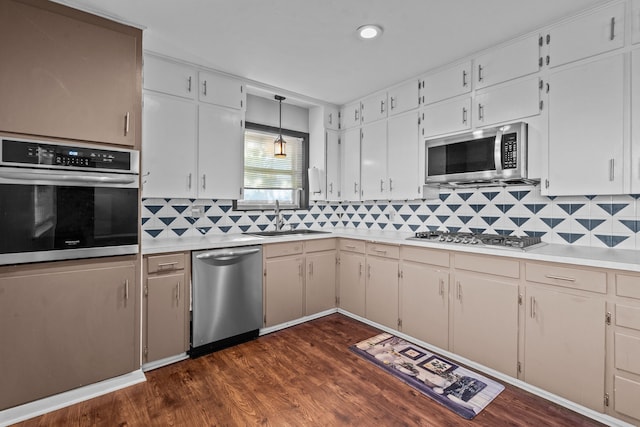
303 203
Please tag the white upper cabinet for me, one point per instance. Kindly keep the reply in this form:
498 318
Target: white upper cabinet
635 121
331 118
350 115
374 161
507 62
586 123
374 107
404 97
635 24
350 165
510 101
169 77
445 117
332 145
169 142
588 35
447 83
221 90
220 152
403 157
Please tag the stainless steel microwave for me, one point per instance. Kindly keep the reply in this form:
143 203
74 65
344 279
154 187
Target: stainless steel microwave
491 156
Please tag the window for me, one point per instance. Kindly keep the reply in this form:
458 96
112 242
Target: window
268 178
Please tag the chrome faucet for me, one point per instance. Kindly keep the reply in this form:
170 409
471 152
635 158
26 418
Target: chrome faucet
278 219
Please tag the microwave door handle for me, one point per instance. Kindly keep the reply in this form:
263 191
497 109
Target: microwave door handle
497 152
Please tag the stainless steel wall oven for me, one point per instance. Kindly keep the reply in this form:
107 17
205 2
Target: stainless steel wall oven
61 201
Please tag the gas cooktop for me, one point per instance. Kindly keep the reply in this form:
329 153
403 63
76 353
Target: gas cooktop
481 239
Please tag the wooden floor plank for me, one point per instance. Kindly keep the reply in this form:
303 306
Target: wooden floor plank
300 376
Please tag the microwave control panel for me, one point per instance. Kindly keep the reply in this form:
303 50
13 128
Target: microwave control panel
509 151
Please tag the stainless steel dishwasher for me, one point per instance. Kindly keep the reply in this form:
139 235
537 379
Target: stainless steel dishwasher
227 298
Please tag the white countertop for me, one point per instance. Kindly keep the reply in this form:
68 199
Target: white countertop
621 259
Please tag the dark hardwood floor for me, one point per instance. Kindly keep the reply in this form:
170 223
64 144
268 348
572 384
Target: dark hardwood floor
300 376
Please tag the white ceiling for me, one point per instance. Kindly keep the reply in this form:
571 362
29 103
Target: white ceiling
310 47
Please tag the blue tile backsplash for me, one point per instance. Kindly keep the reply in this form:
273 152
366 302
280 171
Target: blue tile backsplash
599 221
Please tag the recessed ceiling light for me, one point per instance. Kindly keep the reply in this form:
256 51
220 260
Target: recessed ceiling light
369 31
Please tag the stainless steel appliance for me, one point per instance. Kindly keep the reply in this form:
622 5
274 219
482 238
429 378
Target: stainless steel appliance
62 201
492 156
480 239
227 298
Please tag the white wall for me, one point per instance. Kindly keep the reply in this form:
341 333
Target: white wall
265 112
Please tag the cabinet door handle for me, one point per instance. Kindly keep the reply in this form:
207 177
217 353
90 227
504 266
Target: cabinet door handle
300 269
381 107
441 287
566 279
393 103
178 292
390 184
355 188
360 271
331 187
613 29
167 265
204 85
311 269
189 181
612 169
480 112
330 118
464 115
464 78
459 291
380 251
533 308
349 247
480 76
126 123
355 115
382 185
204 181
189 84
369 271
126 290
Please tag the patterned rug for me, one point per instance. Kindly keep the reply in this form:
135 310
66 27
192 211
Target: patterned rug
464 392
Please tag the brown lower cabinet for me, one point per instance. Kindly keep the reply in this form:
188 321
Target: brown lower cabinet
166 306
65 325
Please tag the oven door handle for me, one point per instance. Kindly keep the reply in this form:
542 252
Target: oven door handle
497 152
54 177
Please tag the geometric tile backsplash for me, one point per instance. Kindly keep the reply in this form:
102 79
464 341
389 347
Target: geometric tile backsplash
599 221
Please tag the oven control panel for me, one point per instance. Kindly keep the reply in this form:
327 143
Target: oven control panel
30 153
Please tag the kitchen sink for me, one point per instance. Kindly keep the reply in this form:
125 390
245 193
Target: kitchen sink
276 233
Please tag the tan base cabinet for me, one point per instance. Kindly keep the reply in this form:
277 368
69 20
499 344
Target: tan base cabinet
351 276
65 325
78 74
485 312
381 295
299 279
166 307
424 295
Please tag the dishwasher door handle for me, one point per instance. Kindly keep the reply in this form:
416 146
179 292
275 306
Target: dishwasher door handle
226 254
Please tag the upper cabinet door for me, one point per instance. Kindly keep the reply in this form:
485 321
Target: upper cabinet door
404 97
403 157
373 164
446 117
635 121
71 75
350 165
220 152
508 62
510 101
221 90
635 15
447 83
169 77
332 140
374 107
331 118
350 115
588 35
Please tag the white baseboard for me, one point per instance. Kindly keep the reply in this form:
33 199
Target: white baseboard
68 398
597 416
297 321
164 362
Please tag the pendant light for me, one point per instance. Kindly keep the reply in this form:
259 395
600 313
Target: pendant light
279 144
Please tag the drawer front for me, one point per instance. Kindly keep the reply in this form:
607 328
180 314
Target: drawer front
628 317
489 265
352 245
627 396
627 353
160 263
320 245
425 256
387 251
282 249
628 286
568 277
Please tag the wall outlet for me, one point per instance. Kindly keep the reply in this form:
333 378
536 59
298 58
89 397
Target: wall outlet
197 211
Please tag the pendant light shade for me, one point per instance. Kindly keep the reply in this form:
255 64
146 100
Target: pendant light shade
280 144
